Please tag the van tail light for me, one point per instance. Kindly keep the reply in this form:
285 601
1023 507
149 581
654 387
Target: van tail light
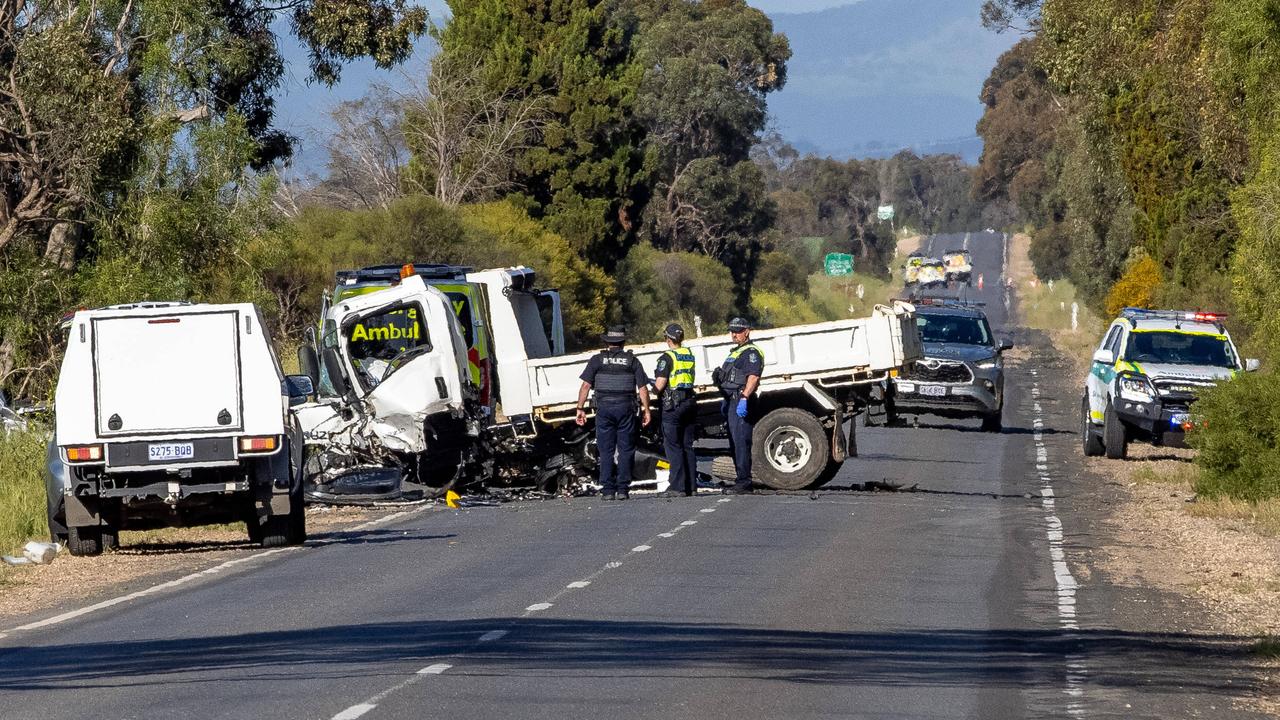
84 453
259 444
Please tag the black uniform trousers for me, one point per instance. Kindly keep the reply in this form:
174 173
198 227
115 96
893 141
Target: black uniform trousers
740 430
616 432
677 440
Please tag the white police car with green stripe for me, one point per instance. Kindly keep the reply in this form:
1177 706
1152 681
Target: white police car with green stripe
1146 373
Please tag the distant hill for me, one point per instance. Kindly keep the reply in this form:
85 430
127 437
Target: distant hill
872 77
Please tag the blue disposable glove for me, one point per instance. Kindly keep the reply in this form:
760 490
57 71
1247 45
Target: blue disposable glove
742 407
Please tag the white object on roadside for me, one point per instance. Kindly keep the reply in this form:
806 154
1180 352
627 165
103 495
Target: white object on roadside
1075 316
862 291
35 553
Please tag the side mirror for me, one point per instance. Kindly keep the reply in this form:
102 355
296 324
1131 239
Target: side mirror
309 362
1252 364
1104 356
1005 344
299 388
333 365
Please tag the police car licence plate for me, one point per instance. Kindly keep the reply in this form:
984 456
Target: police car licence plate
160 452
1179 419
933 390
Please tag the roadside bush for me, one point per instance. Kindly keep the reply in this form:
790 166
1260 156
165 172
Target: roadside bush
22 503
1136 288
781 272
1239 447
773 308
663 287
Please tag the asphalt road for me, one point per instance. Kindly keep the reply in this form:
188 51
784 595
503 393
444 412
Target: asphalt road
958 600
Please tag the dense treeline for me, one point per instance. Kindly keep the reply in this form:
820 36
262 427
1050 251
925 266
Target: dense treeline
613 144
1140 140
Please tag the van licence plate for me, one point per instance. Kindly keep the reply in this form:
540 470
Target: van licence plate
933 390
160 452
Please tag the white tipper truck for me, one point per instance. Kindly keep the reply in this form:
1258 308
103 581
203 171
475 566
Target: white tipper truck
816 378
172 414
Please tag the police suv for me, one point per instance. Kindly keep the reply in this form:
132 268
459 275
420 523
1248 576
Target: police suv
1146 374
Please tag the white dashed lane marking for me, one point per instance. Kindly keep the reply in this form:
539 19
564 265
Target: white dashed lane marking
436 669
493 635
354 711
537 607
642 548
707 510
689 522
576 584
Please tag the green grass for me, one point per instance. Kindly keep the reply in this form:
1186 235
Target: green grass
22 499
835 298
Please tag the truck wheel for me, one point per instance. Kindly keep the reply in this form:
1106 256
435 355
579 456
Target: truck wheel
1088 433
722 469
110 537
84 541
827 475
789 449
1114 438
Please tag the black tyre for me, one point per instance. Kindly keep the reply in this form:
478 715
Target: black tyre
827 475
1114 437
110 537
993 423
291 527
1091 443
84 541
275 531
722 469
789 449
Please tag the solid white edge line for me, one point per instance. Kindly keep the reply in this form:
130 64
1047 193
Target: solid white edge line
168 585
354 711
436 669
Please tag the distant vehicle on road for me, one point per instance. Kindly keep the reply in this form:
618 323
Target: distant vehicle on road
959 266
1145 376
170 414
962 372
911 270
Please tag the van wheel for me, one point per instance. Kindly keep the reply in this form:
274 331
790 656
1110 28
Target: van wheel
84 541
789 449
1114 438
1088 432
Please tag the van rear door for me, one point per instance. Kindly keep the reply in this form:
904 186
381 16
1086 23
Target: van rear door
167 373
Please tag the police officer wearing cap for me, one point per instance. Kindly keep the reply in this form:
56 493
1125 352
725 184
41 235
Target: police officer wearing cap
617 378
673 378
738 378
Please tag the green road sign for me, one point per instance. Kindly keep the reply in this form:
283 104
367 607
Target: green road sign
839 264
885 212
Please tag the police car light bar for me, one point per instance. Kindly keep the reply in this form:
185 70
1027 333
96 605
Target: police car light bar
1184 315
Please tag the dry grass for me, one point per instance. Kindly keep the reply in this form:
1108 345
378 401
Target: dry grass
1262 518
1047 306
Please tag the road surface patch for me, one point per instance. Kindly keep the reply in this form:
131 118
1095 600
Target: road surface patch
354 711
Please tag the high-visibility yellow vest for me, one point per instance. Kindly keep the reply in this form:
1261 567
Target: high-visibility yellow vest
682 369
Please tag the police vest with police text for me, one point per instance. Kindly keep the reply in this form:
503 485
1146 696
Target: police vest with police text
616 375
682 369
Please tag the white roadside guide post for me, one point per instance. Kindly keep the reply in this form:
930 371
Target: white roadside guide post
1075 316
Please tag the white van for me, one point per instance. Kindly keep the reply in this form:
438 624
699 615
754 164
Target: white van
170 414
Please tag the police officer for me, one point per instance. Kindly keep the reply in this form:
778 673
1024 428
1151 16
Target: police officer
738 380
617 378
673 378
